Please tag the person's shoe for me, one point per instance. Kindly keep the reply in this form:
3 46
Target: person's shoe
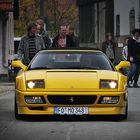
129 86
136 86
131 81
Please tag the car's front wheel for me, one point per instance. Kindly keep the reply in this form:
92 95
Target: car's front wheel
124 117
17 116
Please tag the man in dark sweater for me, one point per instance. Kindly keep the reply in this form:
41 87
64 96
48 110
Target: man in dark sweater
74 37
134 57
62 39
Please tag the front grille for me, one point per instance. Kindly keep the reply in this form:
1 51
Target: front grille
72 99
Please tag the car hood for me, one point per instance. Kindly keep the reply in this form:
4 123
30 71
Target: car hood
71 80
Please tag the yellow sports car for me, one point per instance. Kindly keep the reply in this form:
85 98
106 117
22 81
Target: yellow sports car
70 82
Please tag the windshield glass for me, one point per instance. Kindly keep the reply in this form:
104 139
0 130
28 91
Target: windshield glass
70 60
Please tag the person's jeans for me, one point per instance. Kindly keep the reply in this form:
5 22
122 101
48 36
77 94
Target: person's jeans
136 74
132 71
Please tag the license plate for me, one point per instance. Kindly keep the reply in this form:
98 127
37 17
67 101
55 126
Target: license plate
71 110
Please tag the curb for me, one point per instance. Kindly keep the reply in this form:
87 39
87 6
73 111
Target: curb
6 84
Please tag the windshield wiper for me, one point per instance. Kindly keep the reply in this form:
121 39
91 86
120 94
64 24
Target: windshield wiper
89 67
39 68
85 67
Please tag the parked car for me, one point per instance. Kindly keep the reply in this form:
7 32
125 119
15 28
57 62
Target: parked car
71 82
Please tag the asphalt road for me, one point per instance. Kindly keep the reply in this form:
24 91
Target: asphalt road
68 128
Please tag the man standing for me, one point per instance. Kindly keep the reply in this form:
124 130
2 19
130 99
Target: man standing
74 37
30 44
125 49
125 55
134 57
62 39
43 33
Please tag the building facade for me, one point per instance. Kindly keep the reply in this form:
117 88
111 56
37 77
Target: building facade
6 35
126 14
97 17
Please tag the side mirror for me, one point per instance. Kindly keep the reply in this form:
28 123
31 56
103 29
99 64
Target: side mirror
19 64
122 64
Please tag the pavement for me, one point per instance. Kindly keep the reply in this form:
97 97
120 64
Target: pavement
6 87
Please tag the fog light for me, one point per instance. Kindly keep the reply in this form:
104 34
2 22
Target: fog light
34 100
109 100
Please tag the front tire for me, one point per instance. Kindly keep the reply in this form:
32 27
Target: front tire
17 116
124 117
126 112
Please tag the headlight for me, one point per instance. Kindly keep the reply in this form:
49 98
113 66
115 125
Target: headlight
108 84
35 84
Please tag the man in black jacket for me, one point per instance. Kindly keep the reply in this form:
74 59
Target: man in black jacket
62 39
74 37
134 57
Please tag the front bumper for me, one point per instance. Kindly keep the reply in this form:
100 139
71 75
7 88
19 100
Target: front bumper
93 109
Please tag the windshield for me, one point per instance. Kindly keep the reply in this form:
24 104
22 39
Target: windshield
70 60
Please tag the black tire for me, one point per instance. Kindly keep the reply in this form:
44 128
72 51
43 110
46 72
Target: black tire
17 116
126 112
124 117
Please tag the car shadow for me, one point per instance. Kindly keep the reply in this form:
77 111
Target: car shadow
71 118
133 116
